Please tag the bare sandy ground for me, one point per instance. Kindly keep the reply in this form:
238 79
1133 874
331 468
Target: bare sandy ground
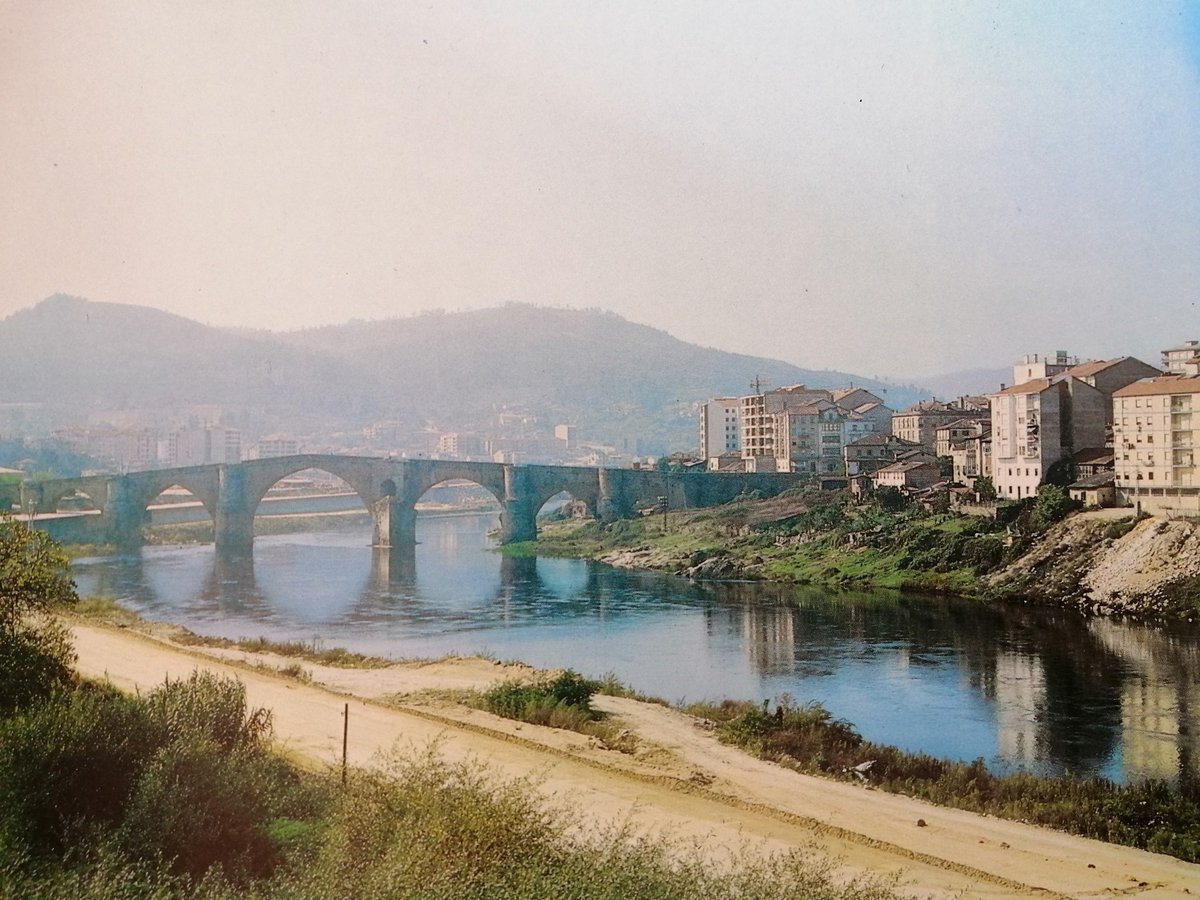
681 781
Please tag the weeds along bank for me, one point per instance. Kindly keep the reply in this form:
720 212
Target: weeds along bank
1147 568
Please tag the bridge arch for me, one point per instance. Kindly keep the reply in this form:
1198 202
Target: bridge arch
357 473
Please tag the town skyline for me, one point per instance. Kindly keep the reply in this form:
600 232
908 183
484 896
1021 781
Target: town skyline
888 189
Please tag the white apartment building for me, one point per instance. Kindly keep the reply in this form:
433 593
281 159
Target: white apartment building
204 446
1156 429
720 431
1182 360
1038 424
1042 365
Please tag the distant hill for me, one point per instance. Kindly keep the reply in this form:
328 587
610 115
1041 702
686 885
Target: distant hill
611 377
968 381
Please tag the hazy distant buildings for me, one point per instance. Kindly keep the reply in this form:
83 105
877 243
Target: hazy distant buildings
204 446
274 445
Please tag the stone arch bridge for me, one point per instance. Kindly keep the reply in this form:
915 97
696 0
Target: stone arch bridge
389 489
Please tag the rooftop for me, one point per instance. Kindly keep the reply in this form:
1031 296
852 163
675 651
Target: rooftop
1163 384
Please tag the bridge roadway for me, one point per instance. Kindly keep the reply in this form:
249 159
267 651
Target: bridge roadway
389 489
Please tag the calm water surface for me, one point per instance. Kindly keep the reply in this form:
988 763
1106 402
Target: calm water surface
1023 688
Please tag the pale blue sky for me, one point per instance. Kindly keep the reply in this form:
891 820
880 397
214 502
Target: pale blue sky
885 188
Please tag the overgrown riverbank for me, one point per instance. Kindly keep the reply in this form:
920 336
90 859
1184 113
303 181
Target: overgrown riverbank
1141 568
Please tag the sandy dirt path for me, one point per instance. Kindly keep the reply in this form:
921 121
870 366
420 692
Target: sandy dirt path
682 782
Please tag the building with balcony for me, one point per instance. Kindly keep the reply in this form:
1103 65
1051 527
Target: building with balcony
1039 424
1156 427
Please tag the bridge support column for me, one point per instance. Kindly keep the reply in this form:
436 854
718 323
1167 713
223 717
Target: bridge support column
611 503
518 518
234 521
124 515
395 523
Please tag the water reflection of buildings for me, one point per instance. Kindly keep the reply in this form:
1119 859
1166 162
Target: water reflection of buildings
1019 691
1160 704
770 633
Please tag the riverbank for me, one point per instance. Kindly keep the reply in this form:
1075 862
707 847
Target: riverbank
1145 568
680 780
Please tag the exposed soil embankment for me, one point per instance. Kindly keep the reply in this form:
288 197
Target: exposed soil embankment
1147 568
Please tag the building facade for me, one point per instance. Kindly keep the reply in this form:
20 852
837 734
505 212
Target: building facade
1156 428
1039 424
720 428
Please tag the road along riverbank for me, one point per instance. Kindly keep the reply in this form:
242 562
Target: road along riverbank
681 780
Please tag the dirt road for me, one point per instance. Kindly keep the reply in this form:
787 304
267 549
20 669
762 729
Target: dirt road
681 781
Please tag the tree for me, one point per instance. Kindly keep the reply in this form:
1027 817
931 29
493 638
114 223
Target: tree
1053 503
35 654
890 499
985 488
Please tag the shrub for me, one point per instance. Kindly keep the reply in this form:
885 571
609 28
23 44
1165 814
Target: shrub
70 764
35 661
197 805
35 655
565 696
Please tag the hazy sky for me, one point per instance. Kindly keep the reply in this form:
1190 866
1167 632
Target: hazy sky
886 188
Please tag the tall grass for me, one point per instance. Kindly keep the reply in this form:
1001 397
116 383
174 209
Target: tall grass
1151 815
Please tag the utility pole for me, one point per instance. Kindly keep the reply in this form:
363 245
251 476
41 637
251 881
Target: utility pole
345 738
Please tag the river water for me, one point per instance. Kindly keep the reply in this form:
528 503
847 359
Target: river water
1022 687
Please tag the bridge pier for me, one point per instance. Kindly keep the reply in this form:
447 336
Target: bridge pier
518 515
395 523
124 514
233 525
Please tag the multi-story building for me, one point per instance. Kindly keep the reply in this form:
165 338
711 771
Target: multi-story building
276 445
204 446
809 439
1037 424
1182 360
972 456
801 429
946 436
1042 365
1156 429
1110 375
757 421
720 432
919 423
873 452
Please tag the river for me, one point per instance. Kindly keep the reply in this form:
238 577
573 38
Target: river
1022 687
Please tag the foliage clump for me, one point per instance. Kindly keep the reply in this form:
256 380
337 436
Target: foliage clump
35 654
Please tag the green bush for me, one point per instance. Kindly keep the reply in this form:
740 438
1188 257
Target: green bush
35 661
197 805
71 764
566 696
